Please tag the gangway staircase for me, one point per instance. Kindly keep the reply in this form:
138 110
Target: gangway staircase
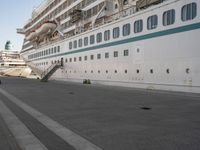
50 71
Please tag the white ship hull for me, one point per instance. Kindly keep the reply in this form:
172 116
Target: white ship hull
165 58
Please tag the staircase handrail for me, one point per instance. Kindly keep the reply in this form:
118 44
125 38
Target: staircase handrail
49 69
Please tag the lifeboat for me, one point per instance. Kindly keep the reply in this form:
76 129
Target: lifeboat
31 36
46 28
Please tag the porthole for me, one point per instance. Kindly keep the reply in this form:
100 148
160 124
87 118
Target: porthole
85 71
137 71
126 71
187 70
106 71
115 71
138 50
167 71
99 71
91 71
151 71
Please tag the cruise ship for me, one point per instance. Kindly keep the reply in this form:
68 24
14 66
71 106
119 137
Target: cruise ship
149 44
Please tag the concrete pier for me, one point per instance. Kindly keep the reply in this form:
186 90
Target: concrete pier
73 116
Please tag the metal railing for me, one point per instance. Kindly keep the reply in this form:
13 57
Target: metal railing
44 73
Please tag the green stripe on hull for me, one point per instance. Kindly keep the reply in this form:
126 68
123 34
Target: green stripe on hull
133 39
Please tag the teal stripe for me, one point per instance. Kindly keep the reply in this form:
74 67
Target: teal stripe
133 39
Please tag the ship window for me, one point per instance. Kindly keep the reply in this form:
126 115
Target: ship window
107 35
58 49
75 44
66 60
126 29
80 42
92 39
98 56
152 22
91 57
151 71
80 58
167 71
47 52
70 59
137 71
115 71
126 52
51 51
54 50
86 41
106 55
99 71
187 70
85 58
169 17
74 59
116 33
70 45
106 71
189 11
99 37
126 71
138 26
115 53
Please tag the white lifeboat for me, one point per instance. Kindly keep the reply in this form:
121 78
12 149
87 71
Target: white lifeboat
31 36
46 28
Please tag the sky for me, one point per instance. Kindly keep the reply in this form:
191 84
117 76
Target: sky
14 14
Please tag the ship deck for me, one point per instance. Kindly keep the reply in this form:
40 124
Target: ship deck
102 117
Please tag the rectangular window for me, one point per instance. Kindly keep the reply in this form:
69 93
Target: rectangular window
107 35
58 49
70 45
54 49
126 52
169 17
99 37
51 51
138 26
98 56
189 11
85 58
70 59
106 55
75 44
86 41
74 59
126 29
80 58
92 39
91 57
152 22
80 42
115 53
116 32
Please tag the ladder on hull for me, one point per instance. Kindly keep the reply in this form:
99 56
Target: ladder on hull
50 71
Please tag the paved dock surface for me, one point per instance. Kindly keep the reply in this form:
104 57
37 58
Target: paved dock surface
73 116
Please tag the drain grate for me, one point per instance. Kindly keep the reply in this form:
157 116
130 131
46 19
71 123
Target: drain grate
146 108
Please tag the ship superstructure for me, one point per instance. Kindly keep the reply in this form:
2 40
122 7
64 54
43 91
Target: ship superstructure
150 44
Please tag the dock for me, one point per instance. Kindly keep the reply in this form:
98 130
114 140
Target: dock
59 115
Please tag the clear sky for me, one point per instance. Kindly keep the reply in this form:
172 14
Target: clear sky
14 14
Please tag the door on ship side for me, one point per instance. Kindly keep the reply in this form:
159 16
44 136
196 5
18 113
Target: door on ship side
62 62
